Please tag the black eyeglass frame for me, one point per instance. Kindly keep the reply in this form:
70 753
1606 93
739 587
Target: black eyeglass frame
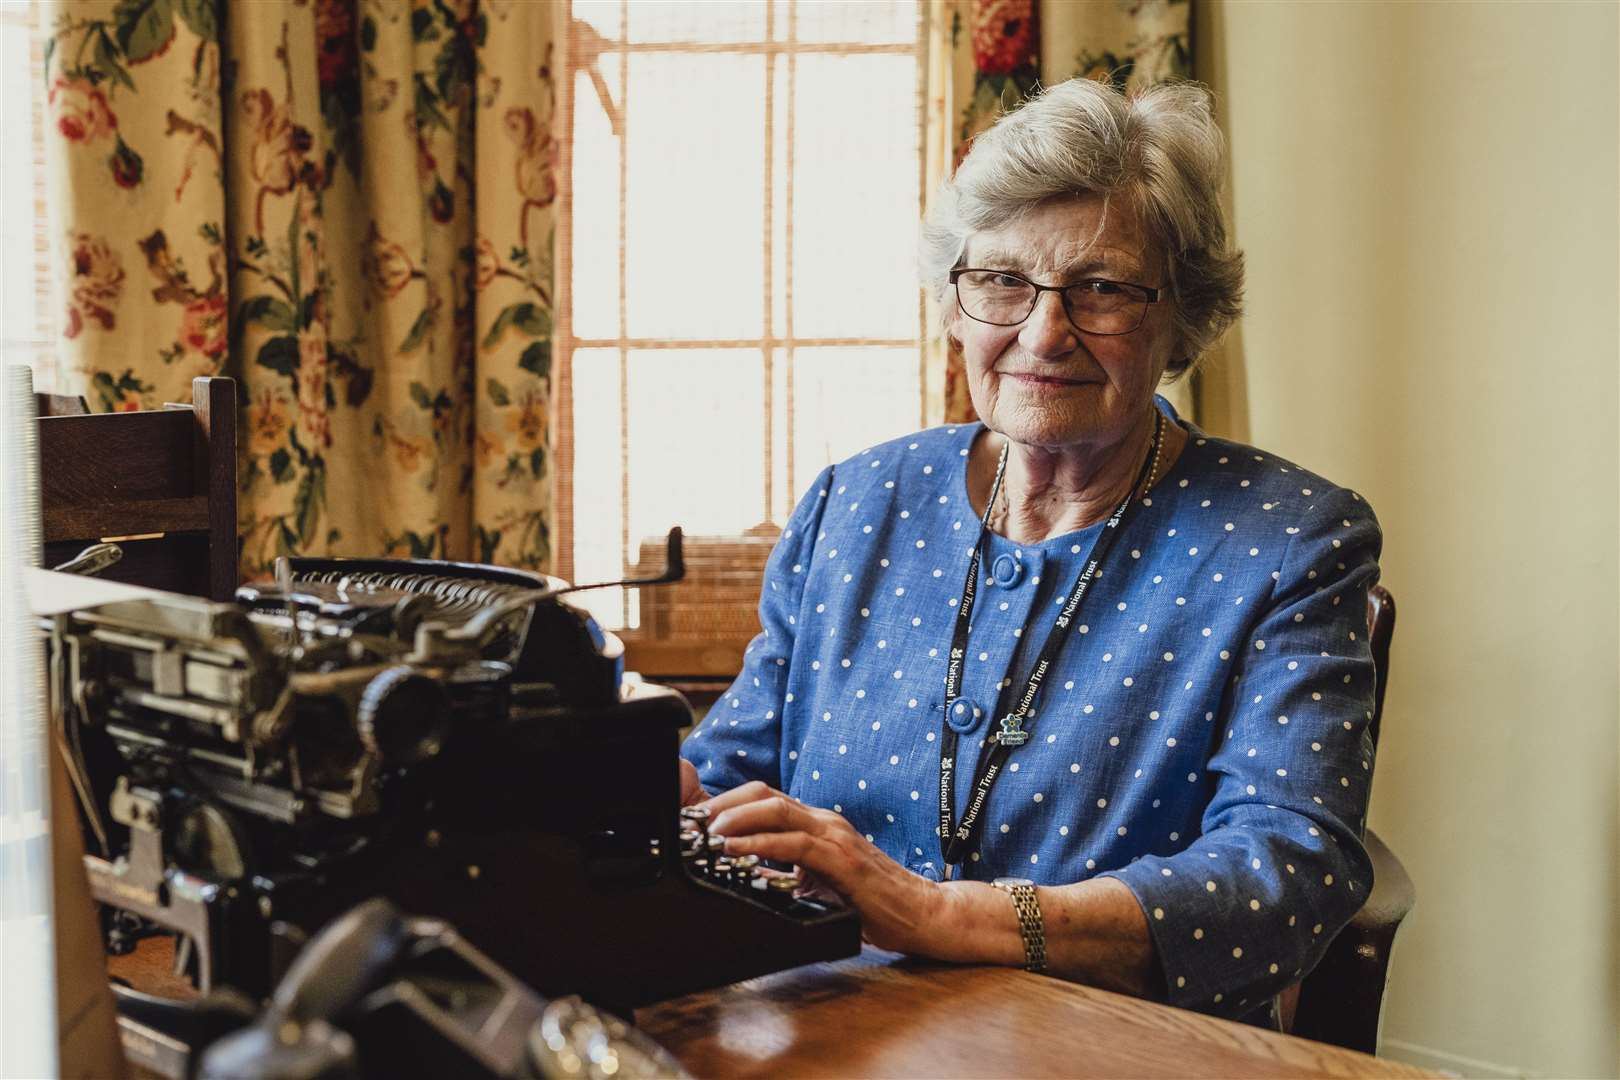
1153 297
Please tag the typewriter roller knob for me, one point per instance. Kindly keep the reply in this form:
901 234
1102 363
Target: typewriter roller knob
403 716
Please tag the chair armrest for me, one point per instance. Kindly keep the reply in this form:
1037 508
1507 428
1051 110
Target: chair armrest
1341 1002
1392 894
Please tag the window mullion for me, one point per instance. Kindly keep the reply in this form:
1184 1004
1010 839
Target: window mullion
787 242
624 325
767 373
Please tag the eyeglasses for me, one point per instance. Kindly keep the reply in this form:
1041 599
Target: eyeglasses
1094 306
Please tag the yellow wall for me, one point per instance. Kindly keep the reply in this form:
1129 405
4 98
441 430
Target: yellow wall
1428 197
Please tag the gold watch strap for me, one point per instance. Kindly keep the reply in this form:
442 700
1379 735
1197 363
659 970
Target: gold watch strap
1030 926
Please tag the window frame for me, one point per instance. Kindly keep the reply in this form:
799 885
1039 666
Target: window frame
778 344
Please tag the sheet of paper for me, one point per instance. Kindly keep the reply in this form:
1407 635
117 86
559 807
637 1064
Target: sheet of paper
50 593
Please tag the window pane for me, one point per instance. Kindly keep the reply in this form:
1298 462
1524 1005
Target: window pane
874 22
595 279
697 442
711 20
17 184
845 400
602 15
597 472
855 197
695 206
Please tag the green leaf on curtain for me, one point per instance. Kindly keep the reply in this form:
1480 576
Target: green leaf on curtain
530 318
280 465
537 359
280 354
200 16
420 395
368 33
144 27
488 541
453 66
296 287
106 60
419 331
50 51
268 311
428 113
497 393
537 462
422 28
308 500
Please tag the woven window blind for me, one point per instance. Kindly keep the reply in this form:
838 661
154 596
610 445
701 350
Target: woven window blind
737 292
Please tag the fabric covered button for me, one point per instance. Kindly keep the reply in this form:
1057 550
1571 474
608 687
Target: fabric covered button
1006 571
963 715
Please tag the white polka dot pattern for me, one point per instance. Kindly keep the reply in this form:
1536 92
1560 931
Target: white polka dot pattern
1209 724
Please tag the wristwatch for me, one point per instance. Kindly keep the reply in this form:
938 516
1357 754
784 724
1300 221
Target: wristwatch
1030 927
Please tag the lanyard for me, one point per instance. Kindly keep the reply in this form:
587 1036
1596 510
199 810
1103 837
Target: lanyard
956 839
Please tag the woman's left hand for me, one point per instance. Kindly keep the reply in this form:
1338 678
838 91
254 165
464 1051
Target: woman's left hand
899 910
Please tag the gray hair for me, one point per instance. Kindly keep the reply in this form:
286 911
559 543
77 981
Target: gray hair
1157 149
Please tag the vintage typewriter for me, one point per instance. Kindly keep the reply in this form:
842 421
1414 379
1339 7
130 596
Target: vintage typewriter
457 739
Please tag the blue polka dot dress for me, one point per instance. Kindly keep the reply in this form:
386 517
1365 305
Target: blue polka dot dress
1203 736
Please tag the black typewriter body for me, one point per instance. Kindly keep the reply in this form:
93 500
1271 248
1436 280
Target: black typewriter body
250 771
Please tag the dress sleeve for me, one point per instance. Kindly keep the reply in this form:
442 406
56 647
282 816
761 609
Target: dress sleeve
741 738
1279 867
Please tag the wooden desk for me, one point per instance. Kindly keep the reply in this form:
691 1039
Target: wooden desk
881 1014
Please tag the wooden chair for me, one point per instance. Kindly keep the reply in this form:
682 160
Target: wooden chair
1341 1001
162 482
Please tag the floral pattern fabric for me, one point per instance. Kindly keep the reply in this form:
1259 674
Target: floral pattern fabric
346 205
986 57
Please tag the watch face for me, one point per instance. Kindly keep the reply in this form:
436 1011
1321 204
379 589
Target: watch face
1008 882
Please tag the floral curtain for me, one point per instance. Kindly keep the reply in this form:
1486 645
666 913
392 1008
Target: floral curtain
346 205
986 56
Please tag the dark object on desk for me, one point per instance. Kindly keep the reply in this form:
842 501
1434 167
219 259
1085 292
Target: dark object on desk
61 405
451 737
377 994
166 477
1342 1000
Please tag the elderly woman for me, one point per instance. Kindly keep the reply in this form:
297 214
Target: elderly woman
1077 686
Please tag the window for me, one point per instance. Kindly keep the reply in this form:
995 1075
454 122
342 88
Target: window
737 261
24 337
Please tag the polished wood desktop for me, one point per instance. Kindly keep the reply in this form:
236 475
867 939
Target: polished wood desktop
881 1014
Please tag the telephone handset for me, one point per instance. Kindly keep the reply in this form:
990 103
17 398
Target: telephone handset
382 994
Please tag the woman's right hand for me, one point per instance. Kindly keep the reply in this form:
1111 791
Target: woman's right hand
691 789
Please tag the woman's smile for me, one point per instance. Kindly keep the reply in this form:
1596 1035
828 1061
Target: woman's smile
1047 382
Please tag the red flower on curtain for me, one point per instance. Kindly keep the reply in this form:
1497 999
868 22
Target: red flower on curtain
1003 35
536 164
82 112
334 32
203 326
96 286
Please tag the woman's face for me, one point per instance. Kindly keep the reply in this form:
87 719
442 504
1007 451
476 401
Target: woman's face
1043 382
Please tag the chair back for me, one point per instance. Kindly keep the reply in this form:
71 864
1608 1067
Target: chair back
161 483
1380 629
61 405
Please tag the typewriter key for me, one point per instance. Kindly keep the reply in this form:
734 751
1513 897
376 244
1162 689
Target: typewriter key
784 883
695 813
716 842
